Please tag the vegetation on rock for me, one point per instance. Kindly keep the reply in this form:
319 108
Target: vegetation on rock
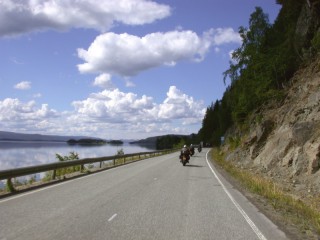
263 65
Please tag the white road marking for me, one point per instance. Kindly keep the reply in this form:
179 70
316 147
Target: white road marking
113 216
243 213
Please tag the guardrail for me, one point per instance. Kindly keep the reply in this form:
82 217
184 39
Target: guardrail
18 172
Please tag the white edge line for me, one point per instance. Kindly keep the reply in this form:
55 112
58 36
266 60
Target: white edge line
243 213
113 216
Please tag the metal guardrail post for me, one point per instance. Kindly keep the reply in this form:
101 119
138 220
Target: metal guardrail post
10 185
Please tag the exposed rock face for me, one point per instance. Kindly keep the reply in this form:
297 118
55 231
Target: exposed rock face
261 134
285 146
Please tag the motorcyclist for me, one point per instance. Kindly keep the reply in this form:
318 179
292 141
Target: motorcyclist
185 150
191 149
199 148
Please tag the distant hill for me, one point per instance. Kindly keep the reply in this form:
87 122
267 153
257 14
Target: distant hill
150 140
115 142
87 141
156 140
12 136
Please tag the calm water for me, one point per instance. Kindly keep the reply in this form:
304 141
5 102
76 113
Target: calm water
22 154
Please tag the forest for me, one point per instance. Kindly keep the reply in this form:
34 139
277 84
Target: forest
175 141
263 65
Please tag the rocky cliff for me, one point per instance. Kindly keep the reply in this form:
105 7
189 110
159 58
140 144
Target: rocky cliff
283 140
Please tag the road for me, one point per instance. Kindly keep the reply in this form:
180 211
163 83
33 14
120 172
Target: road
156 198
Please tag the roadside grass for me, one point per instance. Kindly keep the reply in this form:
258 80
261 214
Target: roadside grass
307 216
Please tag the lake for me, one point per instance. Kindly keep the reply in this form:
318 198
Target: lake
22 154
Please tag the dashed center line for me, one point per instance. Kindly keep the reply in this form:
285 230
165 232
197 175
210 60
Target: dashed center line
113 216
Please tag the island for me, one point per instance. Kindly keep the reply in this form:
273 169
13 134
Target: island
115 142
87 141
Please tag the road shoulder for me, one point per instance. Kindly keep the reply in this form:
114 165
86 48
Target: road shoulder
277 217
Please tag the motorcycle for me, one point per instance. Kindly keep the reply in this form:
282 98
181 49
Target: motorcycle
199 148
184 157
191 151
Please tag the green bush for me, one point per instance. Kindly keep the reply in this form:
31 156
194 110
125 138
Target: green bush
234 142
315 42
64 171
120 152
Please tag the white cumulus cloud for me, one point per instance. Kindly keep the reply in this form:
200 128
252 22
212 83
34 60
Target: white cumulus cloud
13 110
127 55
220 36
104 81
23 85
178 105
109 113
113 106
18 17
117 106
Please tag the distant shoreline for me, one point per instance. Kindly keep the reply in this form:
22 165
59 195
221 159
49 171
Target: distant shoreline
32 141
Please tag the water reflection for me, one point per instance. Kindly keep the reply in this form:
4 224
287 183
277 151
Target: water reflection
22 154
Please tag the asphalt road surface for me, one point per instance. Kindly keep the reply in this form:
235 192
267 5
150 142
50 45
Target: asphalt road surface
156 198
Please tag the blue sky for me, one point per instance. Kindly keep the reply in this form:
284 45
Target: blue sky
116 69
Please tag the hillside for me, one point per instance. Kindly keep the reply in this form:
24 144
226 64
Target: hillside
146 141
153 140
167 141
283 140
12 136
263 66
269 116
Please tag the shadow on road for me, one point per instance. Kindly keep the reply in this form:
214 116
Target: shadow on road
192 165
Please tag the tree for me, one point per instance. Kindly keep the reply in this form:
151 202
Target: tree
252 43
72 156
260 67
